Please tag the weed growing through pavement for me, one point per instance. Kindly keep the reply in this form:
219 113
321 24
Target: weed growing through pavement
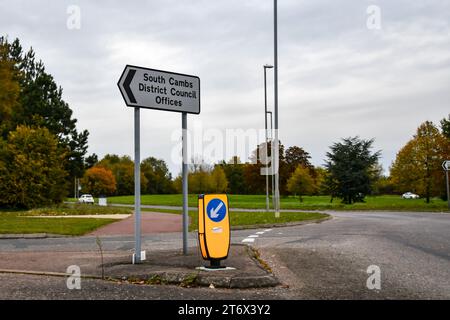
99 243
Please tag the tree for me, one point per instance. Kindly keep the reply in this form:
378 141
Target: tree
320 175
199 181
124 174
383 185
90 161
178 184
31 169
123 171
218 181
235 175
293 157
98 181
351 164
376 173
9 90
330 185
159 178
203 178
301 182
417 167
40 104
255 182
445 127
296 156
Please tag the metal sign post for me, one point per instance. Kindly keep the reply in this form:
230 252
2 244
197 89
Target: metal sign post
185 182
137 185
446 166
162 90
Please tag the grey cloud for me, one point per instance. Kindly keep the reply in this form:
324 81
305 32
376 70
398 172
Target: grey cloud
337 78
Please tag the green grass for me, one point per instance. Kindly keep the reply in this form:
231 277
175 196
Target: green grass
261 218
75 209
251 218
20 222
389 202
12 223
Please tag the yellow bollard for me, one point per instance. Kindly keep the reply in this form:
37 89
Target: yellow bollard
213 228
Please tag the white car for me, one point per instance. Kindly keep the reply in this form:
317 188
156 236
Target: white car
410 195
86 198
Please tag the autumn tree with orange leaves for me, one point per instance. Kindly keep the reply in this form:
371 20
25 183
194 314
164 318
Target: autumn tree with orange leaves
417 167
98 181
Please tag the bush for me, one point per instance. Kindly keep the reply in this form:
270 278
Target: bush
31 169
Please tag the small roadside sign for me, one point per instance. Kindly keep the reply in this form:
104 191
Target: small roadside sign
161 90
446 167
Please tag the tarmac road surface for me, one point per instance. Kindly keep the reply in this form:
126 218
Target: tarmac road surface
316 261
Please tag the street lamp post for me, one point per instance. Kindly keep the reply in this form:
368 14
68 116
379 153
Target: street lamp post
271 157
265 122
275 109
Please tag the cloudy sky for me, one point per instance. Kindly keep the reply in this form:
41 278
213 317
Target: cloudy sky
337 77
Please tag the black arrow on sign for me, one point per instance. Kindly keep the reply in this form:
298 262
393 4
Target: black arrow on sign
126 85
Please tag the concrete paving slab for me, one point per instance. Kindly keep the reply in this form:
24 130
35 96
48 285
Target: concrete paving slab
161 267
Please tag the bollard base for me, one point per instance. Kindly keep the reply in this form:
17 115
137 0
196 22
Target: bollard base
215 264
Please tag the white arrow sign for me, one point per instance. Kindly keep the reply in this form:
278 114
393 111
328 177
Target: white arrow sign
213 213
446 165
162 90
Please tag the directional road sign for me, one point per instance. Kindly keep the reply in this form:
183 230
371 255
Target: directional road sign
162 90
156 89
446 165
216 210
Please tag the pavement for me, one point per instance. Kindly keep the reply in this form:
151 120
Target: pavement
161 267
328 260
151 222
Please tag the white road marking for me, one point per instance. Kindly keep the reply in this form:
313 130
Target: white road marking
251 238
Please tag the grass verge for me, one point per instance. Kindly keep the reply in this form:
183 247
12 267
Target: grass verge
388 202
19 222
12 223
250 219
75 209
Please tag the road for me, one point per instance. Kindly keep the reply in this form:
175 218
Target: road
317 261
